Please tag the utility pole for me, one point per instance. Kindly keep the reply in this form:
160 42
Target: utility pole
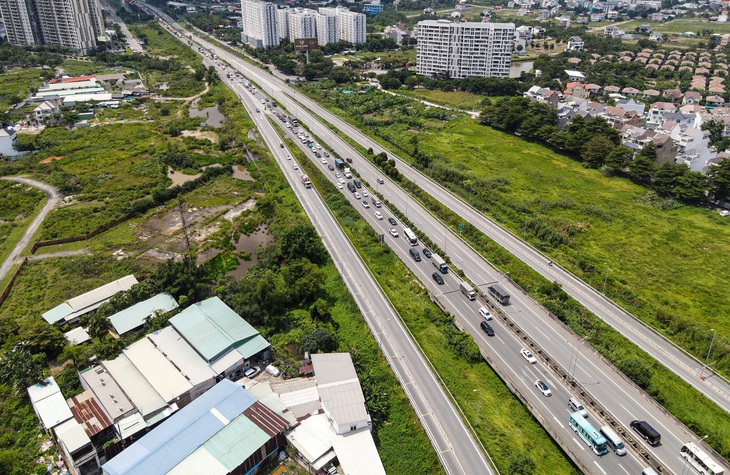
185 228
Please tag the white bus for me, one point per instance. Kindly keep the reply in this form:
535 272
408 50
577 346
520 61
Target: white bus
410 236
700 460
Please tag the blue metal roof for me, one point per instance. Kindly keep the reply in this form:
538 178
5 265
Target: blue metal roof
181 434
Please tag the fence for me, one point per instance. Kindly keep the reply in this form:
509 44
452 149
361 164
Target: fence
9 287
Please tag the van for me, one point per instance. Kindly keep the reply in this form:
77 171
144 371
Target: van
377 203
351 187
485 313
613 441
487 329
649 471
576 406
647 432
357 183
415 255
273 370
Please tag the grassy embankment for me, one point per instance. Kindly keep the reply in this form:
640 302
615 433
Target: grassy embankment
607 220
506 428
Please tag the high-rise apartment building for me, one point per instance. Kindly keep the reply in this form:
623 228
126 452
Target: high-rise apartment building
260 24
460 50
327 29
302 24
284 23
74 24
350 25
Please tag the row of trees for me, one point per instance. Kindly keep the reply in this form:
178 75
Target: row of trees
598 145
396 78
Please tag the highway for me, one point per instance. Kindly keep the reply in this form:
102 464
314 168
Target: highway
684 365
452 440
625 401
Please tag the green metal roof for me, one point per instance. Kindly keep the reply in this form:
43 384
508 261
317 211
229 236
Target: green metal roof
213 329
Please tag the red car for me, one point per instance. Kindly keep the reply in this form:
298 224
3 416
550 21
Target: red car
348 159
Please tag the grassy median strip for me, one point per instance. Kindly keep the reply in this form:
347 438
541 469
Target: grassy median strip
510 434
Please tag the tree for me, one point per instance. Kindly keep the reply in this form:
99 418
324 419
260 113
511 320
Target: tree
340 75
716 129
618 159
594 152
303 280
98 327
642 168
18 369
301 241
638 370
319 310
318 340
720 179
181 278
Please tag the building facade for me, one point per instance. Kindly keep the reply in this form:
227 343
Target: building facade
351 25
284 23
326 29
302 24
73 24
260 24
459 50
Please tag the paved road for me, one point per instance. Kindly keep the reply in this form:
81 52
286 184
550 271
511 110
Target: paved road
132 42
452 440
660 348
624 401
53 197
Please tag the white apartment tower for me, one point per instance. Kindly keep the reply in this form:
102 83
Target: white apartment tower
302 24
260 24
74 24
462 50
350 25
284 23
326 29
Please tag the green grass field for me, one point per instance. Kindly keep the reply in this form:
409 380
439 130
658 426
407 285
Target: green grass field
680 25
454 99
16 84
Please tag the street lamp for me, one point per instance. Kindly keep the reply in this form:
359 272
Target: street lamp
479 403
606 279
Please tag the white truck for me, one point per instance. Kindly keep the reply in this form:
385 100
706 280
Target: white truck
307 182
439 263
348 173
468 291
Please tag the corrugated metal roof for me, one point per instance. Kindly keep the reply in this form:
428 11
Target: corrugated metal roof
182 355
49 403
345 403
266 419
177 437
135 316
144 397
333 367
88 301
213 328
106 391
72 436
312 437
77 336
357 454
130 425
88 412
161 374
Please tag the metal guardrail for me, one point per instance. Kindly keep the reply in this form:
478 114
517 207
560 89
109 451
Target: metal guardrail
586 397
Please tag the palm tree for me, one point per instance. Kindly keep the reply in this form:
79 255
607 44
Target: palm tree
18 369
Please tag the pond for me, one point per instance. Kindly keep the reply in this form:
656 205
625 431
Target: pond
249 244
212 115
519 67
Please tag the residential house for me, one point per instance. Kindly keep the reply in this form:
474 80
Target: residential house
632 105
611 89
8 138
714 101
593 88
575 43
619 117
576 89
692 97
44 110
542 94
564 21
650 94
673 95
630 92
657 112
575 76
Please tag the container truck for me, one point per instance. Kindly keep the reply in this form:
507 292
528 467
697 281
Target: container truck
439 263
339 163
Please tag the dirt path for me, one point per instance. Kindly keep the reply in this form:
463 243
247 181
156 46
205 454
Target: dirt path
186 100
53 198
77 252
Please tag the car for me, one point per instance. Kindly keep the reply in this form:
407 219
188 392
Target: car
341 181
288 157
330 168
281 144
378 215
437 277
544 389
377 203
528 356
426 252
339 185
263 101
296 167
319 147
324 161
252 372
415 255
257 110
485 313
393 232
338 175
326 154
365 192
487 329
348 160
357 195
392 221
366 204
380 180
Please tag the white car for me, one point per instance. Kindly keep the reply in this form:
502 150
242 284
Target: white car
341 181
339 185
393 232
357 195
251 372
365 192
263 101
378 215
296 167
288 157
544 389
485 313
338 175
324 161
528 356
366 204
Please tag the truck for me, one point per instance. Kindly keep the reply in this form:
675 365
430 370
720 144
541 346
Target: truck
439 263
348 173
467 290
307 182
339 163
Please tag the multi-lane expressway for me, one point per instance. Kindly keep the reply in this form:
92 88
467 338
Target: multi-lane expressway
623 400
454 444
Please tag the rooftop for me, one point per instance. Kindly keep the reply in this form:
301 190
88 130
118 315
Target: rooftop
339 388
49 403
89 301
135 316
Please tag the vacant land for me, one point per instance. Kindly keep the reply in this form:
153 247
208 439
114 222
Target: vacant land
454 99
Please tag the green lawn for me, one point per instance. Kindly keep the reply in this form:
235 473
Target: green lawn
454 99
15 85
680 25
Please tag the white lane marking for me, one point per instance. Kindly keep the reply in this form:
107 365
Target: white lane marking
580 444
630 413
559 423
622 468
498 338
599 468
